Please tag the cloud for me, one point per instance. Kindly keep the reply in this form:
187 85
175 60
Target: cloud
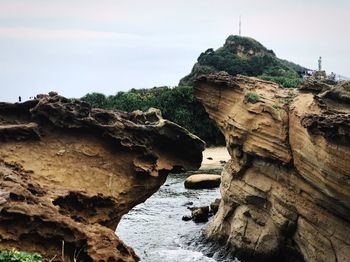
42 34
91 10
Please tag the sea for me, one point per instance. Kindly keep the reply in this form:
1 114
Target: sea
157 233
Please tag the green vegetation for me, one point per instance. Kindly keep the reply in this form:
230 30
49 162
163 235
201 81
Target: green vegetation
16 256
252 97
246 56
239 55
288 82
176 104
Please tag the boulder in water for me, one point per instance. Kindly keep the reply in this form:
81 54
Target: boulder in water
186 218
200 214
202 181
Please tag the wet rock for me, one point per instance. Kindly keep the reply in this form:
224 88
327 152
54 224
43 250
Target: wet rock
202 181
186 218
200 214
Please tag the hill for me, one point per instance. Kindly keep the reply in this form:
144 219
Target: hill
246 56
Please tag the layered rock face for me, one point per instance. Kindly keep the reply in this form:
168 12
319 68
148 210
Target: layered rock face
69 172
286 190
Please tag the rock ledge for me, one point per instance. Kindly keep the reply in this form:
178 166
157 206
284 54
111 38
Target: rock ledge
69 172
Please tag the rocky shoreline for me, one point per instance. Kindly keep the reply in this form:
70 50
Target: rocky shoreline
69 172
285 190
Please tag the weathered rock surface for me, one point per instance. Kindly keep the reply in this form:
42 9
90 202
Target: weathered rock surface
286 190
214 206
316 85
202 181
69 172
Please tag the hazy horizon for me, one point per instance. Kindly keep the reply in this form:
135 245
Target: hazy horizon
108 46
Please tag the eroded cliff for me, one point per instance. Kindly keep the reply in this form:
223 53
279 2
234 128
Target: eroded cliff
69 172
286 190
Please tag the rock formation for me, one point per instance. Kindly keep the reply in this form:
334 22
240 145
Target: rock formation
69 172
202 181
286 190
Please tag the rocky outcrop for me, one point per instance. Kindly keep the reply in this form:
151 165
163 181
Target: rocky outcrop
312 84
286 190
340 92
69 172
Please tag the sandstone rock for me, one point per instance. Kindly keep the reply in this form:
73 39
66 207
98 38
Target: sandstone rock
69 172
202 181
285 191
340 92
315 85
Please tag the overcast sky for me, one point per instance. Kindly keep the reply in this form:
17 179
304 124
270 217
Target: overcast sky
80 46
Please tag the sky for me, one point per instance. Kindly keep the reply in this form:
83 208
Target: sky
75 47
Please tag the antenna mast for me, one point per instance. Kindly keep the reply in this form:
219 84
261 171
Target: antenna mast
240 26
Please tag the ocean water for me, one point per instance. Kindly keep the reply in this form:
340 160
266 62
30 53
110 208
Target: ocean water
157 233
